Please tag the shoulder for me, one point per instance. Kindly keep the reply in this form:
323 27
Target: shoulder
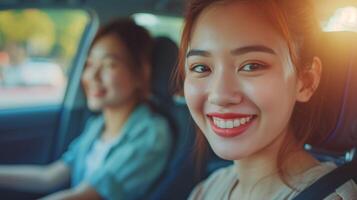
313 174
92 125
345 192
221 174
152 117
91 129
146 127
216 185
321 169
148 121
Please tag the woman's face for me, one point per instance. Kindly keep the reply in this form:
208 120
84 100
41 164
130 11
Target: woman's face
107 78
240 84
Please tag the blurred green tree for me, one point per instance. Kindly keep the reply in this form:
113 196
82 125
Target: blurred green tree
49 33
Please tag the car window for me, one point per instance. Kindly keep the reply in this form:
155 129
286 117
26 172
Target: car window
160 25
343 19
37 47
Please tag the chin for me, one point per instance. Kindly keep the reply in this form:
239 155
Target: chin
95 106
228 155
229 151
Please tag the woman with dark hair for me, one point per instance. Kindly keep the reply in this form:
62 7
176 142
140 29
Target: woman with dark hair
122 152
250 78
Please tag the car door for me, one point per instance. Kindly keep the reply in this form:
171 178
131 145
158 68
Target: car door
42 106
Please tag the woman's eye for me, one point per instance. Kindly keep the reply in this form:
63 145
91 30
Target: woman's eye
200 68
108 64
250 67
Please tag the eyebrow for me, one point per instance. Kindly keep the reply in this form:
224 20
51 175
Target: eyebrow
237 51
196 52
253 48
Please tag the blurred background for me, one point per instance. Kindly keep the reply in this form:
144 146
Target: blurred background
38 46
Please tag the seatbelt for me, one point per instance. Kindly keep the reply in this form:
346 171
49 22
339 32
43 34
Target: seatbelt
329 183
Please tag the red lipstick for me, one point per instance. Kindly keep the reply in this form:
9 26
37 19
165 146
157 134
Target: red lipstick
99 93
228 115
230 132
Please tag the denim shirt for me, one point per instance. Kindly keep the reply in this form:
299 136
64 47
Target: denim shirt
133 163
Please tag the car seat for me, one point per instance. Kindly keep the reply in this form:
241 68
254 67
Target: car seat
179 177
338 52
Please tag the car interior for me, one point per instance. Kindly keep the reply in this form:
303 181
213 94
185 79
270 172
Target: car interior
40 133
336 50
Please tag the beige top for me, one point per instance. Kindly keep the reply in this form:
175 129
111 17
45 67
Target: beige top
220 184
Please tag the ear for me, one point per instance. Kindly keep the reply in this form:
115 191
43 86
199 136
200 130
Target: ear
308 81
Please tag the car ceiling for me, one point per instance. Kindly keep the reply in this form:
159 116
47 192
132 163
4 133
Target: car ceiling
106 9
109 8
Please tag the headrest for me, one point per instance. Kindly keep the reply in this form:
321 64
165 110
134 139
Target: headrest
164 59
338 53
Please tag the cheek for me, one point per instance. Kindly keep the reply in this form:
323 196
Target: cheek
264 94
273 92
113 81
86 76
195 97
122 84
85 81
192 94
108 78
275 99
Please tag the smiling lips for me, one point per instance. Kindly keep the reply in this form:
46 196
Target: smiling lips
230 124
98 93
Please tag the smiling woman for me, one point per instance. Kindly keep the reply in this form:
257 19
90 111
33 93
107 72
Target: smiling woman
124 148
250 71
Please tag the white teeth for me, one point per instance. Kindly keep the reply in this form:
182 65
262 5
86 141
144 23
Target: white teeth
221 123
242 121
236 123
229 124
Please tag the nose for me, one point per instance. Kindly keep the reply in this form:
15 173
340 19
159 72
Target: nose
96 73
225 89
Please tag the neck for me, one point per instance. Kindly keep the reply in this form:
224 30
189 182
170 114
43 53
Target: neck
260 172
261 166
115 118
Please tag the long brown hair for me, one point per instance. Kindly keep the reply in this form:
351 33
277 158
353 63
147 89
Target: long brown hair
297 24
